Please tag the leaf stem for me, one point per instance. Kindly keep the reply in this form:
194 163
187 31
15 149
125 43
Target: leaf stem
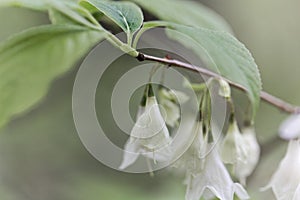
122 46
272 100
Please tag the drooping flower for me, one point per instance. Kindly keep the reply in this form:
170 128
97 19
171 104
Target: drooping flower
241 150
233 146
285 182
170 100
245 167
290 128
206 175
213 181
149 134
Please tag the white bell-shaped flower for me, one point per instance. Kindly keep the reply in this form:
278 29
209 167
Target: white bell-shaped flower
285 182
170 101
245 167
290 128
207 176
213 181
149 134
233 146
192 160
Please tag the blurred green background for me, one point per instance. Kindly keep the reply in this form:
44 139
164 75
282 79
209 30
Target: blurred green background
41 156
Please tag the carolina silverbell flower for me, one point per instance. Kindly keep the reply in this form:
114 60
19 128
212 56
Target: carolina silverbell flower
213 181
168 100
241 150
245 167
233 146
290 128
206 175
149 134
285 182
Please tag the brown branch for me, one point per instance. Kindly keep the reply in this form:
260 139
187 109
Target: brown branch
272 100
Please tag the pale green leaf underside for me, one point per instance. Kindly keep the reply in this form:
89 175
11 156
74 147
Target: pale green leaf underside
126 15
30 60
185 12
221 53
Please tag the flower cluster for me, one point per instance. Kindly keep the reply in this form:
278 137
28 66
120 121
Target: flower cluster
207 161
207 175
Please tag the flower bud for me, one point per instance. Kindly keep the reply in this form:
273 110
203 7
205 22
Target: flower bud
290 128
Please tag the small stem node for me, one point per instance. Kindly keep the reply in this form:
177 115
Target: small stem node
140 57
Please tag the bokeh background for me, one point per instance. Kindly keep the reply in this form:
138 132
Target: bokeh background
41 156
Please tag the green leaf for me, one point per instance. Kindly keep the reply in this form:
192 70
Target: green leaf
70 13
56 17
126 15
222 53
60 12
29 61
91 8
32 4
185 12
41 5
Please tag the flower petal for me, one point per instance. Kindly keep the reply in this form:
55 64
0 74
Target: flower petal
216 179
286 179
240 191
244 168
151 122
297 193
233 148
149 136
130 153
